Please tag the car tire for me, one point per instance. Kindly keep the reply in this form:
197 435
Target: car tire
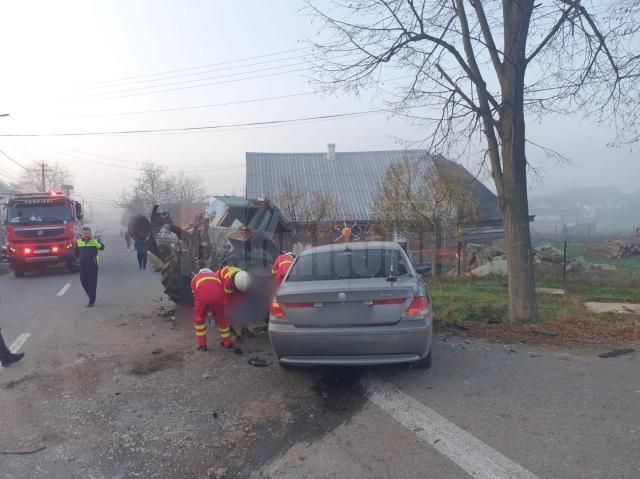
73 266
18 271
424 363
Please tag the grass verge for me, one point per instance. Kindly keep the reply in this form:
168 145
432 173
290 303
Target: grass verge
480 306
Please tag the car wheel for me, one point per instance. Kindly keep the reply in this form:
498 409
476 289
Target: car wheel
424 363
18 271
73 266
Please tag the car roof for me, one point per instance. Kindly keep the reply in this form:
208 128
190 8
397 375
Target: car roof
356 245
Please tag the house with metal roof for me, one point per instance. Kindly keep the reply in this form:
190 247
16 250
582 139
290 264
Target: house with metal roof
351 179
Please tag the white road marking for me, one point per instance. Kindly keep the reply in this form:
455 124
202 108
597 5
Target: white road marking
63 289
17 344
468 452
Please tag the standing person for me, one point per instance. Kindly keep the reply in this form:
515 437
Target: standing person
87 249
281 265
141 253
7 358
212 293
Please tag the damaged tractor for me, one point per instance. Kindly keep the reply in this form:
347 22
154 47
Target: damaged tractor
230 230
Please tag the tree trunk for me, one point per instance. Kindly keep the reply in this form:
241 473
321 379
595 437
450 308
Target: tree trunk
438 248
514 202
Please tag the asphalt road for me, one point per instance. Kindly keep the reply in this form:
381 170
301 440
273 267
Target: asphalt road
119 391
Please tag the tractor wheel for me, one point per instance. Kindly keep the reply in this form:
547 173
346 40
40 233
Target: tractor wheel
176 286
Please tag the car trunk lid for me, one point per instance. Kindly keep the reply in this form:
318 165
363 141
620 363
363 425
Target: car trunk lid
346 303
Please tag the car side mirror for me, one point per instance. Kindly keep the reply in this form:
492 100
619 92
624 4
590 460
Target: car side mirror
79 211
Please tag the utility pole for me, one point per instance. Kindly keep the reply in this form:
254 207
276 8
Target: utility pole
43 170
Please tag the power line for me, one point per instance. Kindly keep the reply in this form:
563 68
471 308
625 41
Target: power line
215 105
7 177
183 167
199 128
183 75
195 80
134 168
199 66
195 107
267 75
14 161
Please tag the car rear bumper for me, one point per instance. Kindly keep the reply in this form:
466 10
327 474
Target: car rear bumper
405 342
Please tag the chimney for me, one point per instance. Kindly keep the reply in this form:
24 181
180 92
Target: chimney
331 151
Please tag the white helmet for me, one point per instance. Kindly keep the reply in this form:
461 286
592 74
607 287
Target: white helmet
205 270
242 281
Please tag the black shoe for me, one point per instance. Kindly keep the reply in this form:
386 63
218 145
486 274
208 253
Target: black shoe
10 359
91 304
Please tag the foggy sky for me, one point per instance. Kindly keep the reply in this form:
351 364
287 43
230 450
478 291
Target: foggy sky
50 48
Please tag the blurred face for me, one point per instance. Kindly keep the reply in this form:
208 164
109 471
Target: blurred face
86 235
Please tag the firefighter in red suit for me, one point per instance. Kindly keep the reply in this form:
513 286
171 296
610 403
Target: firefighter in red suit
280 267
212 293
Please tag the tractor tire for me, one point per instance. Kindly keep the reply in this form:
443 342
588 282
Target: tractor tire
176 286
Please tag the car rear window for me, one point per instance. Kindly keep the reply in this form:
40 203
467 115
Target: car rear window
350 264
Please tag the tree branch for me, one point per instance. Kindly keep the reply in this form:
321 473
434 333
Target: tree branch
551 34
488 37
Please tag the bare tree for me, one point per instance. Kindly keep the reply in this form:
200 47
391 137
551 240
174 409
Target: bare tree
425 194
307 212
55 175
474 67
188 188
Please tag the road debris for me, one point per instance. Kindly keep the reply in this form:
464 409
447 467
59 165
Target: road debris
259 362
616 352
22 453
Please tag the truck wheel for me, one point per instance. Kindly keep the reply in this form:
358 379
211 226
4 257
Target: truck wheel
176 286
18 271
73 266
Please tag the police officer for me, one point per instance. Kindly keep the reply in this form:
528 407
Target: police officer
87 253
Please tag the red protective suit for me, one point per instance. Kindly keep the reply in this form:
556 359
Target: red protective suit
280 267
210 297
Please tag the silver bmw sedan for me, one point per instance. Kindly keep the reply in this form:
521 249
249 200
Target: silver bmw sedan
352 304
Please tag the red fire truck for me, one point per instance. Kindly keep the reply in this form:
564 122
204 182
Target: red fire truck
41 230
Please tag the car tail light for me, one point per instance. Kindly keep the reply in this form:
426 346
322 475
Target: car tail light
276 310
419 305
27 251
298 305
54 249
389 301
